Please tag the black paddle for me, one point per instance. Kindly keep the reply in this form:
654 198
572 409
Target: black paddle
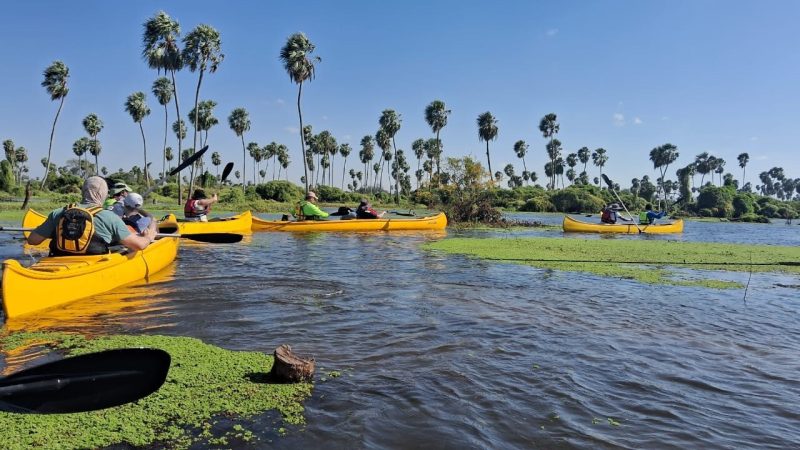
611 188
213 238
86 382
225 172
186 163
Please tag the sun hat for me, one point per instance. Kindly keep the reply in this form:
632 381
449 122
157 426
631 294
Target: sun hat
615 207
311 194
119 187
133 200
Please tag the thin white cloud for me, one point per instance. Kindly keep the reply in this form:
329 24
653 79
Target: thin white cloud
280 101
619 120
760 158
292 130
552 32
347 137
637 121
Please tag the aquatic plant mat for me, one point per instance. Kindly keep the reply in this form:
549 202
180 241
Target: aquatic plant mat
647 261
207 392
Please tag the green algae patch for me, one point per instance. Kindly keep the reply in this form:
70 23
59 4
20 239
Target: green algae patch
205 383
647 261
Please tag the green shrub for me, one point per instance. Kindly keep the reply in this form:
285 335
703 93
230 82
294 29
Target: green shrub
538 204
743 205
233 196
576 200
769 210
718 200
169 190
280 191
332 194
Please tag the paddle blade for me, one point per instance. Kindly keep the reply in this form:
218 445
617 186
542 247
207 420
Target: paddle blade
608 181
189 161
215 238
86 382
226 171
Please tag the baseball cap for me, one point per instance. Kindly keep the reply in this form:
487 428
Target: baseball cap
133 200
119 187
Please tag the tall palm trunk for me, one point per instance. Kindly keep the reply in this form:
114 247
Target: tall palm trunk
144 144
196 125
525 167
244 163
488 159
96 164
439 153
302 138
397 174
164 150
344 167
50 148
180 140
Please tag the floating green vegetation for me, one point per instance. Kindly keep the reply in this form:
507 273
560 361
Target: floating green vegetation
647 261
205 383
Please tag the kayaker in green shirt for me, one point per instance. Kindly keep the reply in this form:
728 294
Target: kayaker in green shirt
648 216
308 210
108 228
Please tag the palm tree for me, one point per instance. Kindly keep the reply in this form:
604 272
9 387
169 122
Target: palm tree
216 160
549 128
554 153
600 158
136 106
662 156
299 64
383 141
254 150
93 126
55 82
160 50
583 156
390 122
162 89
283 160
344 150
80 147
202 50
94 149
366 154
169 155
521 148
271 151
436 116
572 161
239 121
743 158
487 131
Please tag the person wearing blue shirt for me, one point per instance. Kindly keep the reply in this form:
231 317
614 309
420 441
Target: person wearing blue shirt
648 216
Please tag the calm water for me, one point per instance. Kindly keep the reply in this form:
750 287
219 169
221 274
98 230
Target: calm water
446 352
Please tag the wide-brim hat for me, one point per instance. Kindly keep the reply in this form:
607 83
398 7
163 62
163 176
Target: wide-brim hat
119 187
311 194
615 207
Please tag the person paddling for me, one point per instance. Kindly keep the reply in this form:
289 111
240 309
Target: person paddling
308 210
137 219
366 211
610 214
648 216
198 206
86 228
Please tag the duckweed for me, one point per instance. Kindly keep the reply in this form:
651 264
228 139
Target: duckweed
204 382
647 261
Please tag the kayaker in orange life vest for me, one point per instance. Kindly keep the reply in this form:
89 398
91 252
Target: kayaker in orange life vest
198 206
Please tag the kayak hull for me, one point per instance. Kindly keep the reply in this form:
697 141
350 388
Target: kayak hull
437 222
573 225
33 219
55 281
239 224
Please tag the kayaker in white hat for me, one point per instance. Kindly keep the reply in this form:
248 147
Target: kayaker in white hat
86 228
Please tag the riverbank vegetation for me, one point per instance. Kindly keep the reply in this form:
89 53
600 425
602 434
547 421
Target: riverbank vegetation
205 383
621 258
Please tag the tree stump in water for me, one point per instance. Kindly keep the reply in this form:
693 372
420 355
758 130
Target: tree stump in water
291 368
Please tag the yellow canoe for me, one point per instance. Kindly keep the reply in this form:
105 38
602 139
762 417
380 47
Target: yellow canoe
573 225
58 280
437 222
238 224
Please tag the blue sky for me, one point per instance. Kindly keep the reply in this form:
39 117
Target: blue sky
715 76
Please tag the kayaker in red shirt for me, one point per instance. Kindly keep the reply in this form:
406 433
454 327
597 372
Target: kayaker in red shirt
365 211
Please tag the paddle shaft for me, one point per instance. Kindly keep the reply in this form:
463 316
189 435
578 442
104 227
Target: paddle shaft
215 238
186 163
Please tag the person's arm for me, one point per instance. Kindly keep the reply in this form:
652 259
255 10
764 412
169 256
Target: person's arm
43 231
140 242
206 202
35 238
314 210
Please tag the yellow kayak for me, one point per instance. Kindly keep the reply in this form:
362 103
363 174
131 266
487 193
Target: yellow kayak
573 225
437 222
58 280
33 219
238 224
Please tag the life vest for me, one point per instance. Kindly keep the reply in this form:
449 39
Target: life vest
643 219
190 211
75 233
298 211
606 217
